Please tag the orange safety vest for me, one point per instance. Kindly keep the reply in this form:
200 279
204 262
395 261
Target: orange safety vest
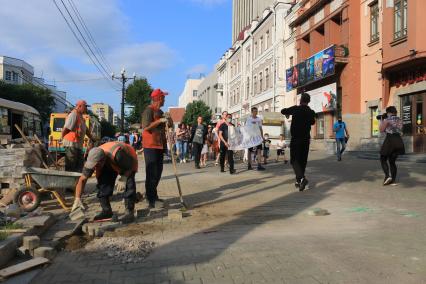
111 148
75 134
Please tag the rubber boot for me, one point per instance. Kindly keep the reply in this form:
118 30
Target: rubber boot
129 215
106 212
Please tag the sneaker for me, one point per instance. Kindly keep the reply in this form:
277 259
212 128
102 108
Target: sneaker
232 171
297 184
303 184
260 168
129 217
222 170
103 215
388 181
339 159
249 167
197 167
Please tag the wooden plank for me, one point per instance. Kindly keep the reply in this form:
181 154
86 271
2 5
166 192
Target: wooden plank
18 268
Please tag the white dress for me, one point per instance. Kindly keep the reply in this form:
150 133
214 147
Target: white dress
205 149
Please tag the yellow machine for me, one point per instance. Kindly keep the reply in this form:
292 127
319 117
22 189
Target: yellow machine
57 121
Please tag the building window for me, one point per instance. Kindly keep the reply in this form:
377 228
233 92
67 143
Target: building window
248 88
374 22
374 112
255 50
260 82
400 19
320 126
238 66
14 77
248 57
8 76
266 79
267 40
260 45
291 61
194 93
255 85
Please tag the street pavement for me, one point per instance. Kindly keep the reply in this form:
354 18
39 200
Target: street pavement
254 227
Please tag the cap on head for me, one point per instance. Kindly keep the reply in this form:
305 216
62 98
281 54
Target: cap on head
158 93
95 156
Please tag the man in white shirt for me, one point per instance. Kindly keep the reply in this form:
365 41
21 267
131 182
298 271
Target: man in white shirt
255 120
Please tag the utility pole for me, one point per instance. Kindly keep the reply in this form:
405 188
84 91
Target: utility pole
123 80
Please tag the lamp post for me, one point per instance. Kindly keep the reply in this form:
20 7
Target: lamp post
123 80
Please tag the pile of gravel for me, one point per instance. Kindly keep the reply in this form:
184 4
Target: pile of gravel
122 249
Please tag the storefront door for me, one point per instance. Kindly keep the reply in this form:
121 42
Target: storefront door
419 123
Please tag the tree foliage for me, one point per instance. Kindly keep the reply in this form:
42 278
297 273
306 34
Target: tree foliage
107 129
195 109
39 98
138 95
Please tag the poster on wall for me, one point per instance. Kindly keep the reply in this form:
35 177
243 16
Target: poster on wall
292 78
302 73
318 59
328 62
310 70
323 99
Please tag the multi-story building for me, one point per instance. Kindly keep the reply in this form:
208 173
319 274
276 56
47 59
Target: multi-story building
190 92
15 71
116 120
60 97
103 111
210 92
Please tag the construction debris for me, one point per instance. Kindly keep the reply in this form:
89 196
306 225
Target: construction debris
123 249
21 267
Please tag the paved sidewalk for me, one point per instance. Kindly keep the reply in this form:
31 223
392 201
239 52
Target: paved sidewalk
253 227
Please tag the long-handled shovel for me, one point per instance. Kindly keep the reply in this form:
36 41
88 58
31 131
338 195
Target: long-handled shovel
175 170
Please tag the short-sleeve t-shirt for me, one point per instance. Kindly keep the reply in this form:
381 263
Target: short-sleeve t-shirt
339 128
70 123
154 138
224 128
198 136
281 144
254 121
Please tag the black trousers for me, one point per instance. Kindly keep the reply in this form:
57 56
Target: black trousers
299 150
154 170
106 183
392 163
197 148
224 152
74 159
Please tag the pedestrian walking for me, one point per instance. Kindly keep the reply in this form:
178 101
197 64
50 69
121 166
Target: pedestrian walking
281 145
182 137
303 117
73 134
154 144
266 145
392 146
216 131
110 160
210 141
257 150
224 146
198 138
342 136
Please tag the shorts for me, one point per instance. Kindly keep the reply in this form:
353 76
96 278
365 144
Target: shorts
266 152
258 147
280 152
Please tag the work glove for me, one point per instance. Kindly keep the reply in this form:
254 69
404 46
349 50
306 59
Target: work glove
121 184
78 204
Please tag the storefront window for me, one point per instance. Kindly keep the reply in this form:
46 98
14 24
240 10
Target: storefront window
406 115
419 114
320 126
374 122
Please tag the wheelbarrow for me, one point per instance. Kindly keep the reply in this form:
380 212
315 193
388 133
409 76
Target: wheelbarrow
39 180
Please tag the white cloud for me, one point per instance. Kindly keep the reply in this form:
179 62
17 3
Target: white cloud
37 33
197 69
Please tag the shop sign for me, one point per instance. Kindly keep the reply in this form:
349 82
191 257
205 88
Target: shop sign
406 115
317 67
323 99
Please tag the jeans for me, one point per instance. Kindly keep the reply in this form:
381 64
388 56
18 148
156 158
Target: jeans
230 154
299 150
341 146
392 163
182 148
74 159
154 170
197 148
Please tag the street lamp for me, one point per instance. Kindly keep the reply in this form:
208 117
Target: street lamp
123 80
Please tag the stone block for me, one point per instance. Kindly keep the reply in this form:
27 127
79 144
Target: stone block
37 221
8 250
31 242
46 252
77 214
141 213
174 215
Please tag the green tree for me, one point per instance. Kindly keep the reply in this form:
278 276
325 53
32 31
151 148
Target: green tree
107 129
137 96
39 98
195 109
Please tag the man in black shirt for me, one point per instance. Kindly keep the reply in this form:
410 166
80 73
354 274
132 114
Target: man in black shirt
223 136
302 119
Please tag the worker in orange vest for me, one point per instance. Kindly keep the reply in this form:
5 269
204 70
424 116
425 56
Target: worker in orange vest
110 160
73 134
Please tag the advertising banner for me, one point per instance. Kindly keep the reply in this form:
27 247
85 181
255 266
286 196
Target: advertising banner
292 78
318 59
244 137
323 99
328 62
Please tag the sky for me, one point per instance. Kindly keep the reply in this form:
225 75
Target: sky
162 40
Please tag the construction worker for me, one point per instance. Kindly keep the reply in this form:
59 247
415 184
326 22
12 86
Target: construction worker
154 144
110 160
73 134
